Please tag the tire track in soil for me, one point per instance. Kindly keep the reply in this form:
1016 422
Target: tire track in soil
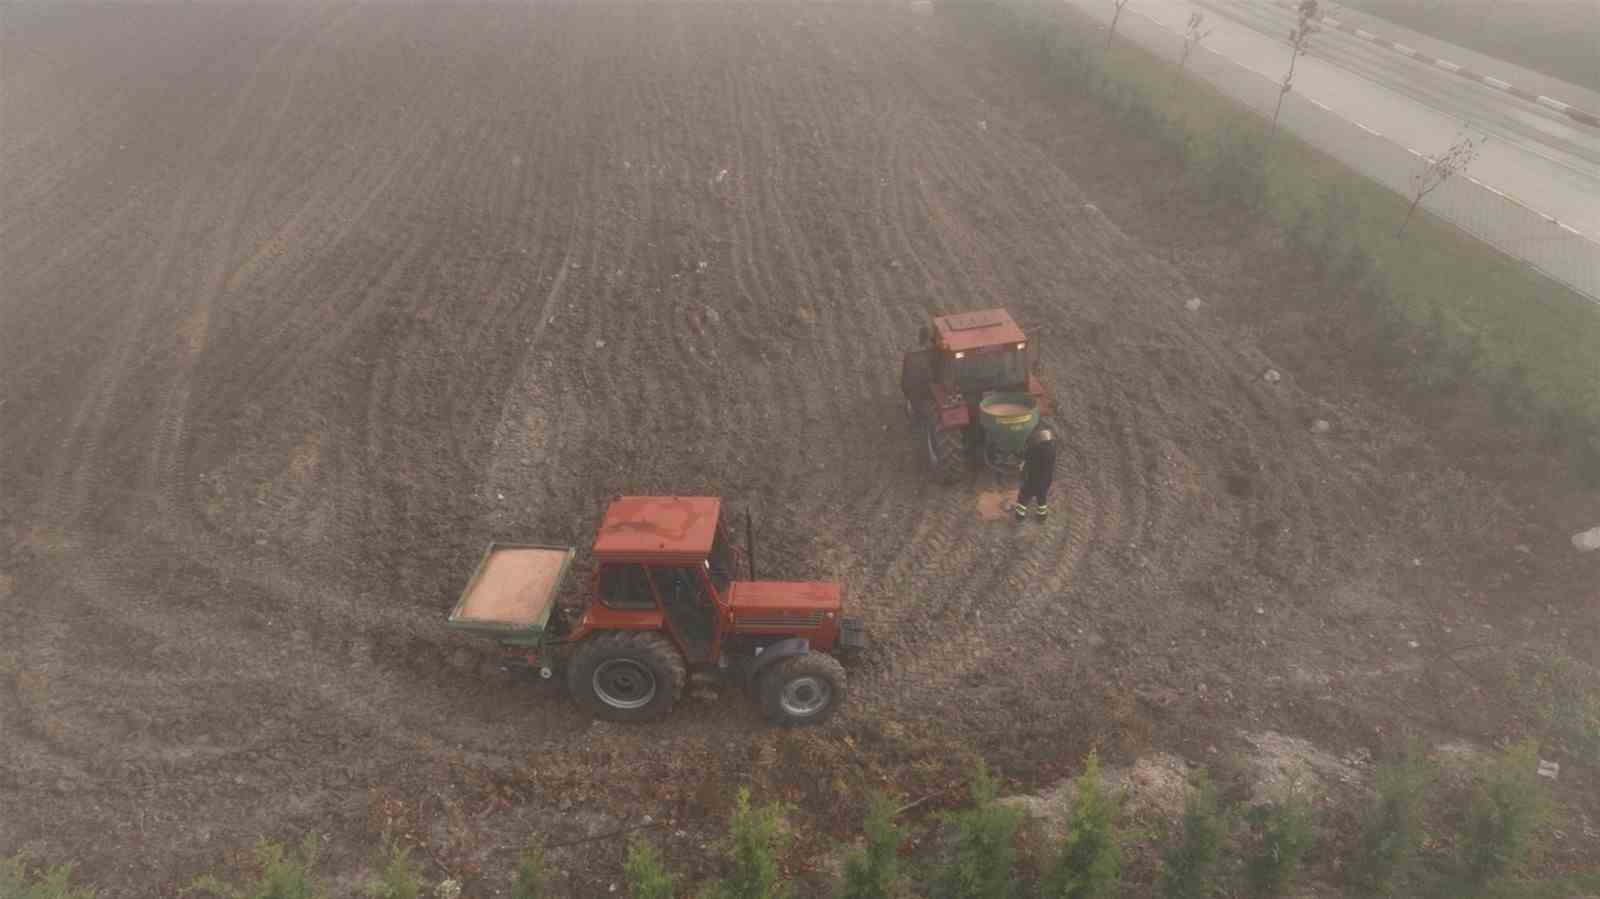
433 364
546 366
938 529
762 312
501 315
957 601
74 477
402 388
285 353
48 181
166 454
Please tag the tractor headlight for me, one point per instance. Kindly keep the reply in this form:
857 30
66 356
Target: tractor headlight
1023 345
961 355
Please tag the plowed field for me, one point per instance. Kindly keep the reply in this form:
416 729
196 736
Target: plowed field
303 303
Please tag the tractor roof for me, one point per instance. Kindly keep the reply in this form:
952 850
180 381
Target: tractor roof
653 525
974 330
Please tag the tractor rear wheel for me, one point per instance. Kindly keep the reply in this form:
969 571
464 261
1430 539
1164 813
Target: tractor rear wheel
802 690
947 453
627 675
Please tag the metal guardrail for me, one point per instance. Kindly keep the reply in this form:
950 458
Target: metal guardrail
1553 248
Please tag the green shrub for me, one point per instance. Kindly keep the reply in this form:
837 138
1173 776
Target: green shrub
283 875
873 871
1285 830
1090 863
1188 863
647 876
532 882
16 882
1507 805
756 836
1563 696
398 877
1392 827
985 854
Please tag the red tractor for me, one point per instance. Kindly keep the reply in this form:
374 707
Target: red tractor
971 392
662 601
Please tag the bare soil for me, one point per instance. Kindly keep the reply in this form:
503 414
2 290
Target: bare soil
304 303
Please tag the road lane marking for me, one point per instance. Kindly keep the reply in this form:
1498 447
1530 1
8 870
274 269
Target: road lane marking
1579 115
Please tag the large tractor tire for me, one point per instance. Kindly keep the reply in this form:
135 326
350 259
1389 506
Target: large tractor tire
947 453
801 691
627 676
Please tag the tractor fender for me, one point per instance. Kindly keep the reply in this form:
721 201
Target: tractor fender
793 646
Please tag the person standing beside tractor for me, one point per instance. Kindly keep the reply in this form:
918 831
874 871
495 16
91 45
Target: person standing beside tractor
1038 470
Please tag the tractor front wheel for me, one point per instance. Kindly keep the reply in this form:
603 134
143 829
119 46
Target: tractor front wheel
947 453
802 690
627 676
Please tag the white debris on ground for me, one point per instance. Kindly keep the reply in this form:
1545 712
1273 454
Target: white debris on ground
1459 759
1587 541
1281 762
1321 426
1151 788
1271 376
1194 304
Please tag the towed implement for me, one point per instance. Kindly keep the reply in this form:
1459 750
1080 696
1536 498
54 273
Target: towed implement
662 601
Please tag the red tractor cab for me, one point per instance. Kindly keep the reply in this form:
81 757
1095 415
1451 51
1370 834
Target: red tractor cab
663 600
965 361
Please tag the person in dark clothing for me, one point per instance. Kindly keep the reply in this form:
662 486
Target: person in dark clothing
1038 470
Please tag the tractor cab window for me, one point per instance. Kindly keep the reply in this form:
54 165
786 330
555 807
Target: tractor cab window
688 607
720 563
980 370
625 587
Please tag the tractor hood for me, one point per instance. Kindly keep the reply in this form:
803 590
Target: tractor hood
783 603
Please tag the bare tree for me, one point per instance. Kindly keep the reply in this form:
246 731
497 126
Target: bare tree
1440 169
1192 36
1299 43
1112 31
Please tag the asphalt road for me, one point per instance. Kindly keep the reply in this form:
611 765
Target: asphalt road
1536 155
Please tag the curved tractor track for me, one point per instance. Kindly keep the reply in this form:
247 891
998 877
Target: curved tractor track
305 302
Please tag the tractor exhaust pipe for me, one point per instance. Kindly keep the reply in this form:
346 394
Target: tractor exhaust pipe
750 542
